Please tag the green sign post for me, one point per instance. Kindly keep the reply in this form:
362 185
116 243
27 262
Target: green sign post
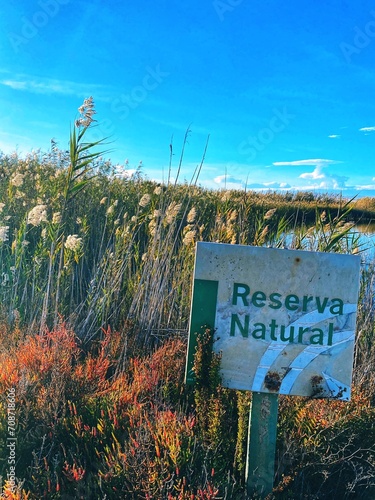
284 323
262 436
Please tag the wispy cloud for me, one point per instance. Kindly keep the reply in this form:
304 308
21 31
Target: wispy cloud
367 129
37 85
12 142
367 187
300 163
222 179
334 136
231 182
269 185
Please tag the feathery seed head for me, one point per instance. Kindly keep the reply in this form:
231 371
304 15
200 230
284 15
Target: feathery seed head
191 215
87 111
145 200
268 215
56 218
73 242
4 233
17 179
37 215
189 238
172 212
233 215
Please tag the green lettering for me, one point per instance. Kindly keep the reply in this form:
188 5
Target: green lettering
259 333
301 332
285 338
292 302
306 300
330 334
244 329
276 303
258 299
337 308
321 306
243 294
273 326
318 338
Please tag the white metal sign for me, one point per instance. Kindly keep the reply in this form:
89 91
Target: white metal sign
284 319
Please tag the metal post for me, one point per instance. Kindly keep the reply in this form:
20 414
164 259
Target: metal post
260 461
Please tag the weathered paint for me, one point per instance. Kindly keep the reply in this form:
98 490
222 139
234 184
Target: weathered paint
278 311
204 301
260 463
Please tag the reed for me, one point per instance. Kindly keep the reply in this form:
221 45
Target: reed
95 290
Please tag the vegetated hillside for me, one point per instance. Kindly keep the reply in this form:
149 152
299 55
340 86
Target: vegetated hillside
95 290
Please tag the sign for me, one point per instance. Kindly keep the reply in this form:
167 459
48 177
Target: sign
284 320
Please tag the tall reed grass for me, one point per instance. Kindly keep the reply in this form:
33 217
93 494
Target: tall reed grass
77 241
95 284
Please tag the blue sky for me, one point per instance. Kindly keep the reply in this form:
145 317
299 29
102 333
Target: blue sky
285 90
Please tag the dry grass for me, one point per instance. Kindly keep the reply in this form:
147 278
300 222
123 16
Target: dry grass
95 299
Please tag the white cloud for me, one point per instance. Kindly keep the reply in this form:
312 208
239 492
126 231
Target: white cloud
314 175
269 185
318 178
300 163
368 187
367 129
326 181
233 183
277 185
17 85
36 85
334 136
224 179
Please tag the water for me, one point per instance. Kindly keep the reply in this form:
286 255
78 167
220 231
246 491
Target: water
366 234
366 242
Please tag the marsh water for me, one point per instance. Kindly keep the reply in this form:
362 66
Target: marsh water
366 241
366 233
